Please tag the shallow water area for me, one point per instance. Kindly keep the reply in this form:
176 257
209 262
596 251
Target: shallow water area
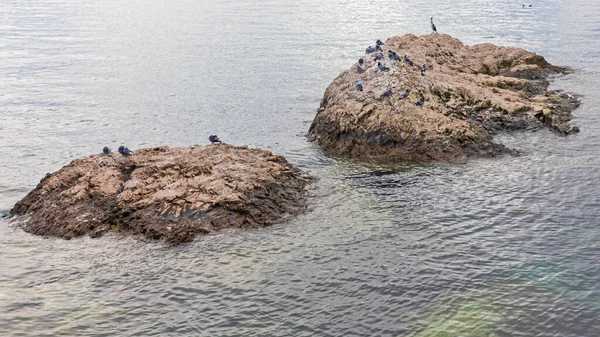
495 247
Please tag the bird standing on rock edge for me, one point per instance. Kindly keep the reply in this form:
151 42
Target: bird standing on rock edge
420 102
106 150
214 139
433 26
125 151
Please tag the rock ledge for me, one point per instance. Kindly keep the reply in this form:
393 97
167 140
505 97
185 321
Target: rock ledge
165 193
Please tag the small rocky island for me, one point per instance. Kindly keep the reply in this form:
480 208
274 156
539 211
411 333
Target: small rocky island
165 193
431 98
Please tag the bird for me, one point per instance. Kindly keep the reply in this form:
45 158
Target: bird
433 26
359 69
395 56
420 102
214 139
423 68
378 42
407 60
382 67
404 94
386 93
370 49
390 54
378 56
106 150
378 47
358 86
125 151
361 61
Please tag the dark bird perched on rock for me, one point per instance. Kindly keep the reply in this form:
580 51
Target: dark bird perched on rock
358 86
382 67
378 42
361 61
106 150
420 102
359 69
395 56
423 68
386 93
214 139
378 47
433 26
125 151
378 56
404 94
370 49
390 54
407 60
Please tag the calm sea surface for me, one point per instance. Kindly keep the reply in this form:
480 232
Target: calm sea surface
502 247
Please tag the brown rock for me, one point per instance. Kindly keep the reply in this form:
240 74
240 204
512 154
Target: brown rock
470 94
171 193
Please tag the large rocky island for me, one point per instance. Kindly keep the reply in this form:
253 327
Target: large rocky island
469 94
165 193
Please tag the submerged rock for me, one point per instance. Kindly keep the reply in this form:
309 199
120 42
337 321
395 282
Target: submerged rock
170 193
469 93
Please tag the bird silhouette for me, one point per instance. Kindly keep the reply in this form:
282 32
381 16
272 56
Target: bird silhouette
214 139
378 43
125 151
358 86
386 93
407 60
361 61
433 26
106 150
378 56
370 49
420 102
404 94
382 67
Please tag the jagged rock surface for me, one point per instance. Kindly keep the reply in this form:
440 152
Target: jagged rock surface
470 93
170 193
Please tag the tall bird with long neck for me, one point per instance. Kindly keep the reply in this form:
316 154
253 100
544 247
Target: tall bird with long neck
433 26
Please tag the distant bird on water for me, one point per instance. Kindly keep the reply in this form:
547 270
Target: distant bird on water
125 151
106 150
433 26
382 67
358 86
420 102
404 94
386 93
423 68
214 139
407 60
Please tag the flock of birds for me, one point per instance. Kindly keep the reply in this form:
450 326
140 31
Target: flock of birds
124 151
393 56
